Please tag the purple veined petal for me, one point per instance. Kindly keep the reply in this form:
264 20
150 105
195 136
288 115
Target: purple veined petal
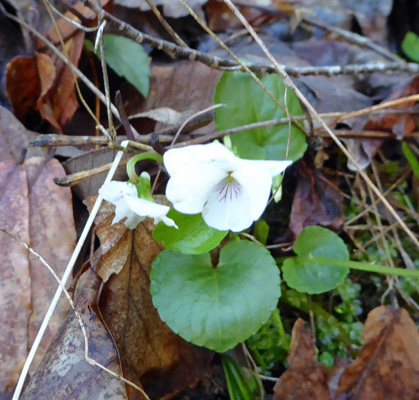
189 188
176 160
256 183
227 207
273 167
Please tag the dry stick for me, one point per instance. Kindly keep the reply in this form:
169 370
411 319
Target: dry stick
166 25
287 81
99 37
90 360
213 107
251 73
387 104
350 37
75 23
230 65
354 38
80 74
65 277
388 191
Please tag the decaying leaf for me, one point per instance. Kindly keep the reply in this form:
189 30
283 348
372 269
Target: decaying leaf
14 137
64 373
305 378
39 213
150 352
388 363
15 293
316 202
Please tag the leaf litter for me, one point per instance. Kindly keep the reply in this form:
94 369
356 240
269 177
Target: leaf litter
125 331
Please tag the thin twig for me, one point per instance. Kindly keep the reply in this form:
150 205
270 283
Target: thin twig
231 65
166 25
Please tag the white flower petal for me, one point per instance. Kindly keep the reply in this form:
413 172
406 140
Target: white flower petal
145 208
190 188
177 159
114 190
256 183
228 207
132 220
273 167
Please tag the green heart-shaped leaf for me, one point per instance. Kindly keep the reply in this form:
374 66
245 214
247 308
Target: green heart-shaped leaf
193 235
307 276
248 103
216 307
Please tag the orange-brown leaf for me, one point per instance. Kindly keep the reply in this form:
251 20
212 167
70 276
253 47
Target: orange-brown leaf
388 364
305 378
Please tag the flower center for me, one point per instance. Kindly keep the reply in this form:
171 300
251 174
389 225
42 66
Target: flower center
228 189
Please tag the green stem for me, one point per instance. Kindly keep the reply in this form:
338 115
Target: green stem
380 269
278 322
133 177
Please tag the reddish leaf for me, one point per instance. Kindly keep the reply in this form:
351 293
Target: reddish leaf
150 352
388 364
23 86
316 202
64 373
305 377
40 213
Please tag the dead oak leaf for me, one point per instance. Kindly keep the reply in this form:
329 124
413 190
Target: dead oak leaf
388 364
64 372
151 354
39 213
305 378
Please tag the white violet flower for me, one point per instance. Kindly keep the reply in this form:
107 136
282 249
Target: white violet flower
230 192
128 205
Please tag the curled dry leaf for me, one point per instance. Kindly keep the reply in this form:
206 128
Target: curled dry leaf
305 378
388 364
64 373
316 202
150 352
40 213
43 82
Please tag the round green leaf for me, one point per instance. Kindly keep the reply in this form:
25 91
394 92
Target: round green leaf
306 275
193 235
248 103
216 307
128 59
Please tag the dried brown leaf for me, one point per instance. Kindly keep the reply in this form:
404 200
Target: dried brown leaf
388 364
305 378
14 137
64 373
150 352
316 202
39 213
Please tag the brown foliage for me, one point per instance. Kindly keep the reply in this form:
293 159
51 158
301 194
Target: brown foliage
150 352
40 213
